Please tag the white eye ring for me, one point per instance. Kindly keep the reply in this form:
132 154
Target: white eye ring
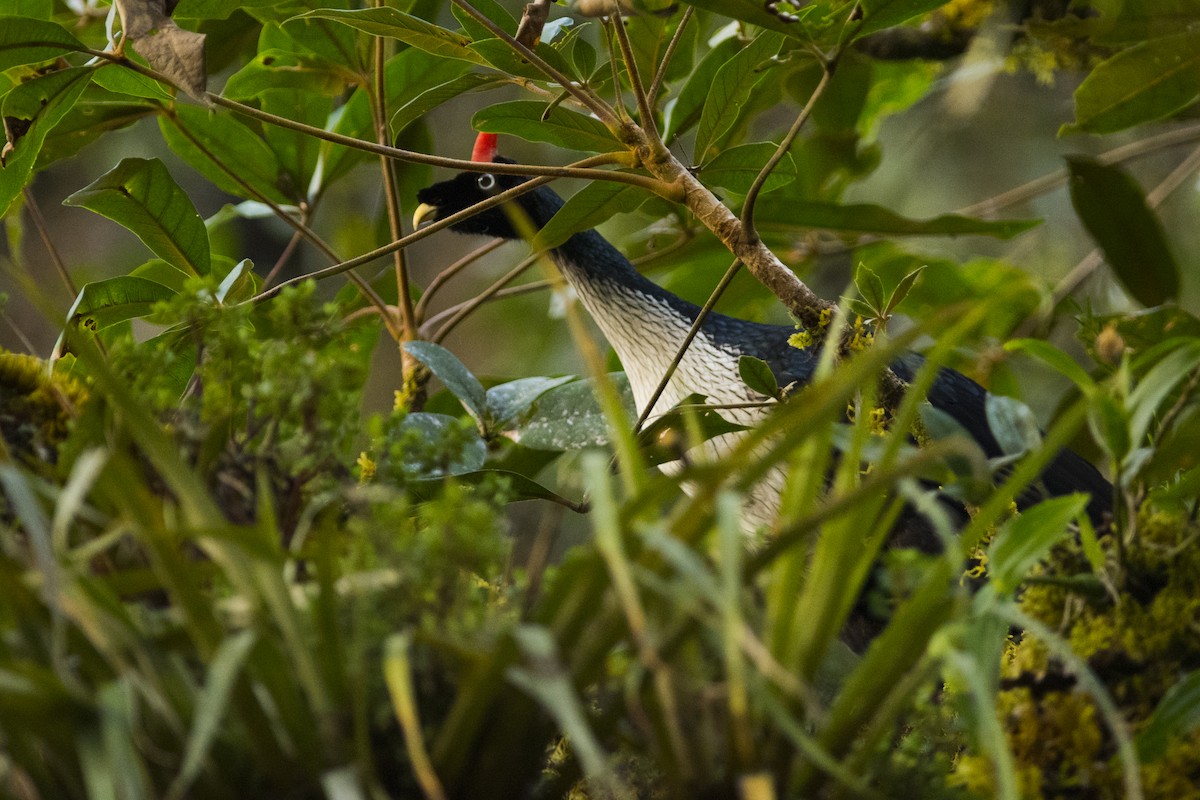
486 181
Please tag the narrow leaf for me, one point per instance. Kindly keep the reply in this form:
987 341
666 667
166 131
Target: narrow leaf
757 374
1148 81
40 102
141 195
561 126
736 168
416 107
1113 209
1027 538
1177 714
1055 358
595 203
396 24
18 36
685 111
787 215
102 304
731 88
880 14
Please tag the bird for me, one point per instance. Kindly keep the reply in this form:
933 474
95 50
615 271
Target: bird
646 324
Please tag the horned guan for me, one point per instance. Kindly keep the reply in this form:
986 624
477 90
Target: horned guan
645 324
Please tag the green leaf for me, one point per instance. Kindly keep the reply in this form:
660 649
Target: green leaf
1013 424
731 89
452 372
280 69
1027 538
396 24
1059 361
561 127
43 102
30 41
432 428
102 304
595 203
416 107
212 704
757 374
869 286
141 195
520 487
755 13
902 289
490 9
124 81
1112 208
500 55
162 272
1109 423
684 423
880 14
686 110
96 113
1156 385
737 167
237 145
1177 714
569 418
787 215
1148 81
508 401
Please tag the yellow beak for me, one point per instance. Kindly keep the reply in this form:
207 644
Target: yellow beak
424 213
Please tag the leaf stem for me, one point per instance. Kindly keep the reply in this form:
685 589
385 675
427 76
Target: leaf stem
645 110
726 279
749 231
583 95
659 76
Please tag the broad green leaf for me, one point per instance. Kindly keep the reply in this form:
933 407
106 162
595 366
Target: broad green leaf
42 102
756 13
105 303
1156 385
880 14
297 152
216 9
490 9
1027 538
30 41
869 286
416 107
595 203
1058 360
737 167
1113 209
520 487
686 109
236 145
162 272
569 418
396 24
561 127
791 215
501 56
124 81
1013 424
731 88
432 428
452 372
1176 715
279 69
508 401
141 195
96 113
757 374
1148 81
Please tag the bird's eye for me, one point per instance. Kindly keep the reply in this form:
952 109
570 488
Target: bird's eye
486 181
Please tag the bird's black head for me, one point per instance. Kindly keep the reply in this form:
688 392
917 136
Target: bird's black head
468 188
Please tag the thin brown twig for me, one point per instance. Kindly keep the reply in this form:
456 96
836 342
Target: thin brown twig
39 222
726 279
391 193
300 227
747 217
659 76
284 257
582 94
645 110
474 303
449 272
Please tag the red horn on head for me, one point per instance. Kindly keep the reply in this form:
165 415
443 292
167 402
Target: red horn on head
485 148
